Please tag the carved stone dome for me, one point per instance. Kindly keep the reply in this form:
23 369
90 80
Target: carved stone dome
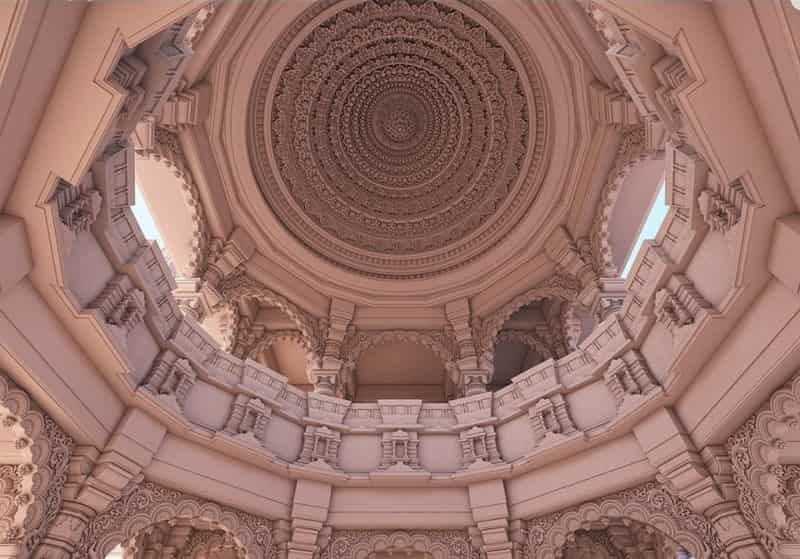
398 139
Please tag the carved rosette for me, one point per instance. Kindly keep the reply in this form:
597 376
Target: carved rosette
396 131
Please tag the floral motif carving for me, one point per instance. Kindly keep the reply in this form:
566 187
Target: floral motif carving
32 490
148 503
649 504
769 490
361 544
401 162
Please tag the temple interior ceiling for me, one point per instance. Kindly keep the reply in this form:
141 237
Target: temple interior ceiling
395 156
372 279
392 133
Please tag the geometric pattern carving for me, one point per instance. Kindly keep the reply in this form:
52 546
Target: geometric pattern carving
769 490
429 143
36 485
149 503
438 544
650 504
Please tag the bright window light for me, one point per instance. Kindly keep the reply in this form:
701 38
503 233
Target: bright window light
148 225
658 212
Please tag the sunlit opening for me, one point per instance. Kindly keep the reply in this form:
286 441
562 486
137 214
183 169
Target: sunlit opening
147 224
658 211
115 553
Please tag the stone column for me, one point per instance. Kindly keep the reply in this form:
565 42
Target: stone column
475 373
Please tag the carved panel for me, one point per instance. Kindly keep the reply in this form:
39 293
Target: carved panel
649 504
439 544
136 510
769 488
32 491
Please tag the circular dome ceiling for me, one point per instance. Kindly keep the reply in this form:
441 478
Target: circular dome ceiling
398 139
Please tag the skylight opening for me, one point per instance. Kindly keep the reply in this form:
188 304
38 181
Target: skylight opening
658 211
147 224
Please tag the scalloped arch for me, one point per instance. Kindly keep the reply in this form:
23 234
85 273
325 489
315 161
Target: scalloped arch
149 503
649 504
42 476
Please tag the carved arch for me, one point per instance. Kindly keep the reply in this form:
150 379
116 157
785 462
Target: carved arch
32 494
272 336
438 342
632 152
526 338
559 286
148 504
769 490
239 287
166 149
649 504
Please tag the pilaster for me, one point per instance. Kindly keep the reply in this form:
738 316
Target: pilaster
96 479
309 513
682 469
487 500
475 373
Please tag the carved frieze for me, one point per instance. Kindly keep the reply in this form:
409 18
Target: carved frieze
441 544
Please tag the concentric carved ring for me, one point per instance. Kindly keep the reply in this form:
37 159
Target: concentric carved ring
398 139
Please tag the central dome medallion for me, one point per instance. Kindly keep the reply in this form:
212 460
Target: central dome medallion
398 139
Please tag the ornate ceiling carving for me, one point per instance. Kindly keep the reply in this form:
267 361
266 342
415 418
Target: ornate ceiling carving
394 137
